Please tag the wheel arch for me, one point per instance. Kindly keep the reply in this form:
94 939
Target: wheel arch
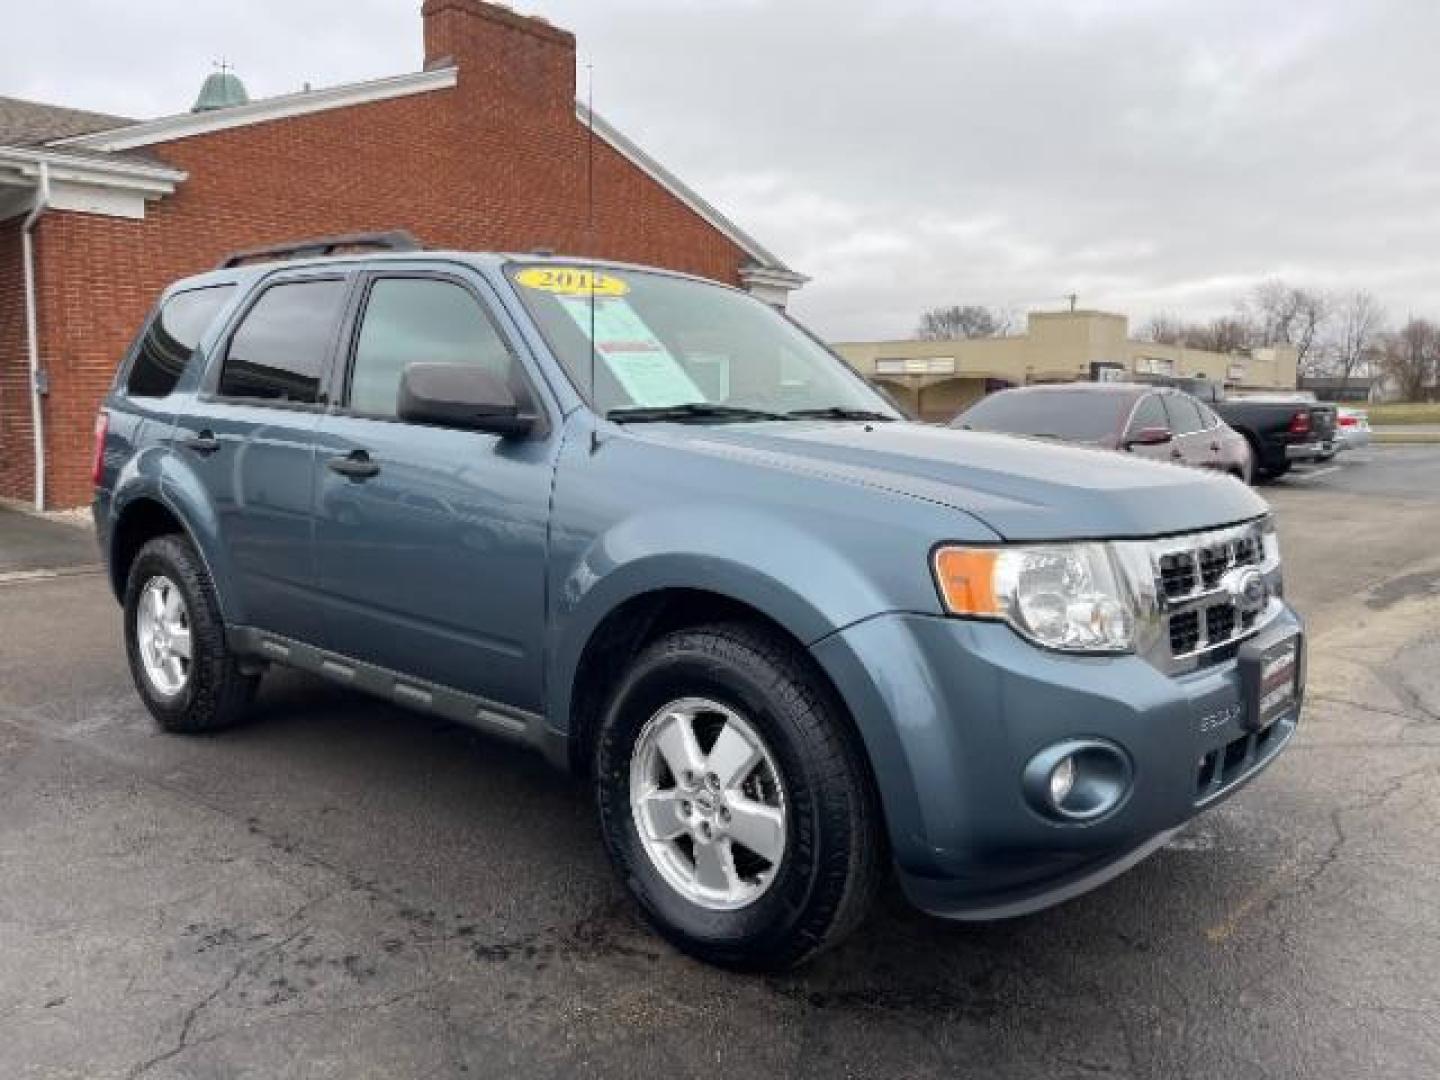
144 515
631 624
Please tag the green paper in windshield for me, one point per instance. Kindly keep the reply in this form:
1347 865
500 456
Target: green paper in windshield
639 361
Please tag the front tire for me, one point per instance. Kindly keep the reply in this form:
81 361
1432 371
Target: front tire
735 799
175 642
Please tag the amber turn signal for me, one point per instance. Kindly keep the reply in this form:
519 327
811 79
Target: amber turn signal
966 579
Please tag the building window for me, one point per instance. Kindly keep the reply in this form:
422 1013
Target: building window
172 338
280 351
915 365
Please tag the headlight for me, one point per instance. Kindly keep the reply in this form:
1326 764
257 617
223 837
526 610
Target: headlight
1063 596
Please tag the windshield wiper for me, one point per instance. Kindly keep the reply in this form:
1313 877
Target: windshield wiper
692 410
837 412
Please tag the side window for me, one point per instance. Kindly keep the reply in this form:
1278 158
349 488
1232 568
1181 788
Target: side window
1184 413
172 338
280 349
1150 413
419 320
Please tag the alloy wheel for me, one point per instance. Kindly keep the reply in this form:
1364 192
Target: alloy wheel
162 629
708 803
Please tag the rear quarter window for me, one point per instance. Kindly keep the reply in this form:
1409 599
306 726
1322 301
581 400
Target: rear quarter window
171 338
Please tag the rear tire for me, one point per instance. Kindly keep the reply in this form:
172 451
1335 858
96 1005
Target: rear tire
175 641
738 686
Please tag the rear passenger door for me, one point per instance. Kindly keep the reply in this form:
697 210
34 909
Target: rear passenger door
1211 433
432 557
248 436
1191 446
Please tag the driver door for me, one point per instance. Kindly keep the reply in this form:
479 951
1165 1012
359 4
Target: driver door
430 543
1149 412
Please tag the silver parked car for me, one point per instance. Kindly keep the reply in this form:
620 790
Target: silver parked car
1352 428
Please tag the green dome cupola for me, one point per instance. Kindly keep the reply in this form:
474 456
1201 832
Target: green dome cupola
222 90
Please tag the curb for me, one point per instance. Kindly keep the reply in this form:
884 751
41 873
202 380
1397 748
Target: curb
1414 438
77 518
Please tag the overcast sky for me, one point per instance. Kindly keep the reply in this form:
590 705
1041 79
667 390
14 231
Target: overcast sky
1149 155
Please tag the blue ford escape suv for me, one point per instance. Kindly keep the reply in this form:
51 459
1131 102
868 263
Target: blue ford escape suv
646 524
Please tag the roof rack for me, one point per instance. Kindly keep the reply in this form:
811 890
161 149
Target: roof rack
394 240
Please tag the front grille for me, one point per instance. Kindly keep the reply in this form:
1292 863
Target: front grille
1220 622
1200 608
1177 574
1184 632
1227 765
1214 561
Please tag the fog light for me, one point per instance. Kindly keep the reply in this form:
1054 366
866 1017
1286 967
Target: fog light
1077 780
1062 780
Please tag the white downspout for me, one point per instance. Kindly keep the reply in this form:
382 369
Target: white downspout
32 329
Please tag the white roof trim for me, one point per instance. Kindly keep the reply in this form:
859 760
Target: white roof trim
687 195
771 276
169 128
150 180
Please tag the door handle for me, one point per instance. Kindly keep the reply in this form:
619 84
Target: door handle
355 465
203 443
1176 453
1215 446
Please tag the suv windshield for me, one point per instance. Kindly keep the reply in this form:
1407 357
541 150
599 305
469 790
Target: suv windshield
672 348
1072 415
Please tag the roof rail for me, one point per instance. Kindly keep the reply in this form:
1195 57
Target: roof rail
394 240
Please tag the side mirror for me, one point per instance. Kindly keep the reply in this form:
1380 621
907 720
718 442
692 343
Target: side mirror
464 396
1149 436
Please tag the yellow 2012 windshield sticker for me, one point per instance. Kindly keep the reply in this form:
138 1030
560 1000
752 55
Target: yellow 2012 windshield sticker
571 281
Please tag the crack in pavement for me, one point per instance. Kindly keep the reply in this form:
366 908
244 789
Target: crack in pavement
192 1014
1271 893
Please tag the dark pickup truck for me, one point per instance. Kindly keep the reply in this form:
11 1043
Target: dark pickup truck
1280 432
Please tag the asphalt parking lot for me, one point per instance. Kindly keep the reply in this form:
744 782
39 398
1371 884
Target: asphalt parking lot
343 889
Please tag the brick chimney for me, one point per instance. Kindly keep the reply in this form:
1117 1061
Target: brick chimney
514 58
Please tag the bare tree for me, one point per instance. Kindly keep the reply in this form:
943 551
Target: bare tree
1282 314
1226 334
959 321
1411 356
1164 328
1359 320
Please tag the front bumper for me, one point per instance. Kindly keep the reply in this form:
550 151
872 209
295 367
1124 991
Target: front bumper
952 710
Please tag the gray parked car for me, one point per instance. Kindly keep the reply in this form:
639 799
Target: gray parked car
647 525
1352 428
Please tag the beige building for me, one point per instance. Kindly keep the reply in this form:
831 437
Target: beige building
936 379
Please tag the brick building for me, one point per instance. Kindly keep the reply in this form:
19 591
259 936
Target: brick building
485 148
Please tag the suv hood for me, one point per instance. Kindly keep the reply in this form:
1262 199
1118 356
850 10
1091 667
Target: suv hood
1023 489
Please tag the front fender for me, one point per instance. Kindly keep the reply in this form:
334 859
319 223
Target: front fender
787 572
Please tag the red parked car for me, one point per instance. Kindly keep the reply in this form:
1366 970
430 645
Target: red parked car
1151 421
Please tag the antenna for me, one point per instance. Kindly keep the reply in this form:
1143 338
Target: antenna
590 212
1072 297
590 157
